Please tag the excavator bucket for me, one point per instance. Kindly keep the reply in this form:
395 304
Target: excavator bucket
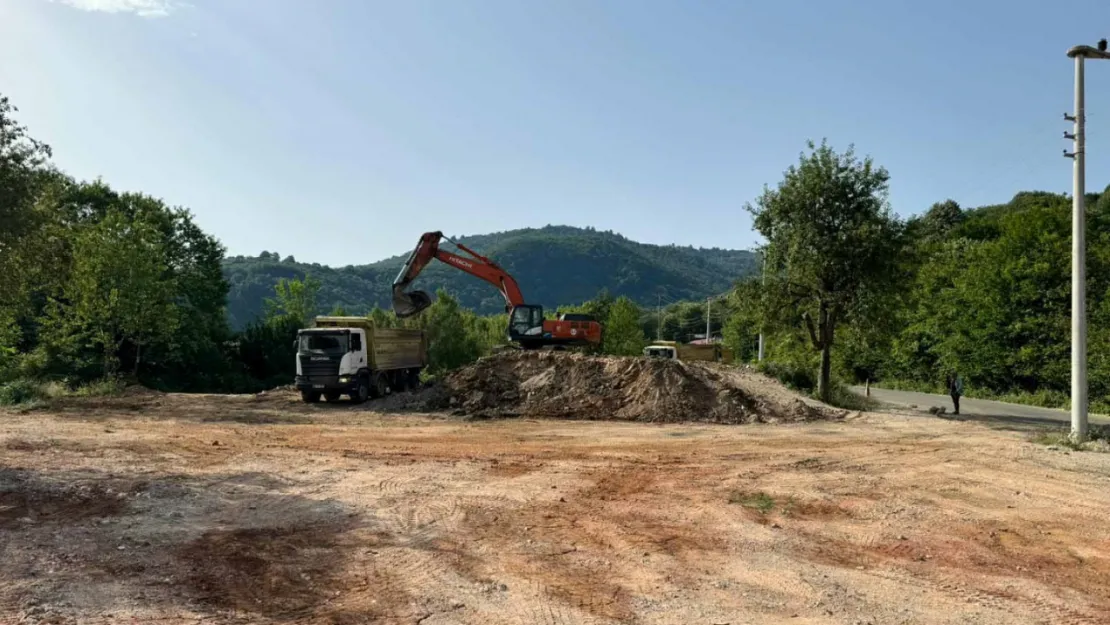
409 304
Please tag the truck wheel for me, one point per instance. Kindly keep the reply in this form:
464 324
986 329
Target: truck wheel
332 396
377 386
398 381
414 378
362 391
310 397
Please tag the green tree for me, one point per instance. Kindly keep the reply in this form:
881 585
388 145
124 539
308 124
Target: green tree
119 292
622 333
383 319
24 173
450 344
831 239
265 351
23 162
296 298
742 322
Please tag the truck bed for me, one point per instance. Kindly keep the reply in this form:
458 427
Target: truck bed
397 348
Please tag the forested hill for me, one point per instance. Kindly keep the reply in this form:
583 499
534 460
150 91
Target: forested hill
554 265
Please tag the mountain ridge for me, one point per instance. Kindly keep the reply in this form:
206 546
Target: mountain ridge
554 265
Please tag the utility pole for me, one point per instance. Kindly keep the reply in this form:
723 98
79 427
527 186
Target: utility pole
708 309
1079 244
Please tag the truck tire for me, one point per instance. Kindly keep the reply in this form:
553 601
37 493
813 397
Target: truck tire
362 391
398 381
414 378
377 385
332 396
310 397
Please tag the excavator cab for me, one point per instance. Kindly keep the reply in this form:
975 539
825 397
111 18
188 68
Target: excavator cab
526 323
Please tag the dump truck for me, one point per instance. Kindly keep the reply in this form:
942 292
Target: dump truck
673 350
351 356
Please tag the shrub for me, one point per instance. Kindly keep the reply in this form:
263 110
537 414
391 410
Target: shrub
99 388
843 397
795 376
20 391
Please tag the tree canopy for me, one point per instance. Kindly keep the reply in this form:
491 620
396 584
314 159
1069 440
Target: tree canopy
832 242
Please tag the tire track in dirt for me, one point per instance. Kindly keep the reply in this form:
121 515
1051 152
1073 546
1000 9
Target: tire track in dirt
1003 602
978 551
544 609
581 555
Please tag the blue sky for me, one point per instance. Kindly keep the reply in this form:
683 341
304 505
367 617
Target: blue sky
339 130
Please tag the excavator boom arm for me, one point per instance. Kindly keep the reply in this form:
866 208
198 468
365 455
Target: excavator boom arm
406 304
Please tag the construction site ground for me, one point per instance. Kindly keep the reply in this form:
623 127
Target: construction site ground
156 508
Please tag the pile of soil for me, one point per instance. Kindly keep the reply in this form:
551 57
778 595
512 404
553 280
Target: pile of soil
575 386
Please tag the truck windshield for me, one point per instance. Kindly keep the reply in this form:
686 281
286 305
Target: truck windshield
659 352
325 343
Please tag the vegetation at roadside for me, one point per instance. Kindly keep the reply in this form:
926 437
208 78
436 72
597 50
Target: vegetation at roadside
1098 439
27 392
982 292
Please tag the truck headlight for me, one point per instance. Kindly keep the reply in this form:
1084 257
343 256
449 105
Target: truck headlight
343 379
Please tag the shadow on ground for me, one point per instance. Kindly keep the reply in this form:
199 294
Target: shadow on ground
81 543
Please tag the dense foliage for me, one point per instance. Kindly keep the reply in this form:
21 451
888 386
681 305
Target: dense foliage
981 292
554 265
990 297
99 282
832 245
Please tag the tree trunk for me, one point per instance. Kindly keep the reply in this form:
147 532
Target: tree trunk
138 355
824 327
823 389
867 387
822 337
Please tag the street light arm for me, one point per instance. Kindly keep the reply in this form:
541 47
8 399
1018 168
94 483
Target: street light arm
1088 52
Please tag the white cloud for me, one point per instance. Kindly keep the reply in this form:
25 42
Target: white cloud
144 8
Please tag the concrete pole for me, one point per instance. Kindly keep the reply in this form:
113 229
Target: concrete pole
1079 269
708 309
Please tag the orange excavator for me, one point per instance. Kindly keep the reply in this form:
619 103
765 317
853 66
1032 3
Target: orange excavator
527 326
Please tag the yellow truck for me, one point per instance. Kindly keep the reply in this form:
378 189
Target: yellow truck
350 356
673 350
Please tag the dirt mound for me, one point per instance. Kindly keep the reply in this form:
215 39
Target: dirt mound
574 386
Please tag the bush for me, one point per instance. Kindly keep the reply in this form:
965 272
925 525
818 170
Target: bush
1098 439
99 388
795 376
844 397
1044 398
20 391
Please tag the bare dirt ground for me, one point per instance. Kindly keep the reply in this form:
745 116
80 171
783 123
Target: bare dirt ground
185 509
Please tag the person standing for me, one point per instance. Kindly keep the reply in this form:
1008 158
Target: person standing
955 389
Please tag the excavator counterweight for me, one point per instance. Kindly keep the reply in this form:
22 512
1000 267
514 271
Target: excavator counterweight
527 325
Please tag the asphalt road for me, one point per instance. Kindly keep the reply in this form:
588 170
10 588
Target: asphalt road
977 408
